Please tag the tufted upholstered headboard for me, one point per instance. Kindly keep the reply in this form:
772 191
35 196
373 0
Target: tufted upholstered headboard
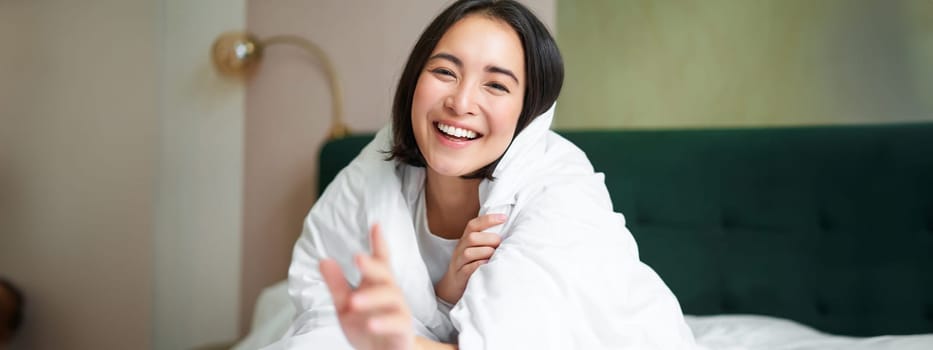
828 226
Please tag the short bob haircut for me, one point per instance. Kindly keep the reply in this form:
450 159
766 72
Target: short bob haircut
544 72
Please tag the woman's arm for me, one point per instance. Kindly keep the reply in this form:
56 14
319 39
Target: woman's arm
428 344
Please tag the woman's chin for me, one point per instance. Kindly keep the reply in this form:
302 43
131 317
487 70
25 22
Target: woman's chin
450 171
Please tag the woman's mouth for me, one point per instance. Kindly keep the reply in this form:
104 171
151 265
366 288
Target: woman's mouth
455 133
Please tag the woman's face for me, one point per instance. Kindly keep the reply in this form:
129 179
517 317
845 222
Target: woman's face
469 96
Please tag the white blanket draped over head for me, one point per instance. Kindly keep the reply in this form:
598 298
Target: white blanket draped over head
565 276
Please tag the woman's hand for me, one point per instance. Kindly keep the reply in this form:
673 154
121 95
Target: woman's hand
474 249
374 316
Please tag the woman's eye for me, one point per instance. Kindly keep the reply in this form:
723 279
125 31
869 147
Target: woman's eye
499 87
443 71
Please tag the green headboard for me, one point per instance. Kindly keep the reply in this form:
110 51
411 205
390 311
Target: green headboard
828 226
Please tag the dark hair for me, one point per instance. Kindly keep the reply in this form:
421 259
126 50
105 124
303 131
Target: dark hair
544 72
17 318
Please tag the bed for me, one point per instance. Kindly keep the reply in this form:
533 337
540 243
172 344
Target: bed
771 238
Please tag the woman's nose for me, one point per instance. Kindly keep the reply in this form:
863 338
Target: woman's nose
462 101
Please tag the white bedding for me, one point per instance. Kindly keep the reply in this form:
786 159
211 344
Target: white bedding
752 332
274 313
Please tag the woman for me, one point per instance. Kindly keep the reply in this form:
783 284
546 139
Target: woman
493 232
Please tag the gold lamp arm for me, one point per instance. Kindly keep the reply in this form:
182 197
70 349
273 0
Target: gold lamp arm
238 53
337 129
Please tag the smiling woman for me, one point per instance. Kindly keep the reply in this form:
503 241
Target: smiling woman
514 49
467 87
485 229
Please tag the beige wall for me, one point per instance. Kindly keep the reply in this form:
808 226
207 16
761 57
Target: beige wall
79 109
200 179
645 63
288 109
120 172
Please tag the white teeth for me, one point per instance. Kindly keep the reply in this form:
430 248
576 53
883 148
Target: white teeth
456 132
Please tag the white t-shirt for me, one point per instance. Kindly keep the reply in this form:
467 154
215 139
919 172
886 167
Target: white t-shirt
435 250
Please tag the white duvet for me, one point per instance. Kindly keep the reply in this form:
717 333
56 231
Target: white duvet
566 274
274 313
752 332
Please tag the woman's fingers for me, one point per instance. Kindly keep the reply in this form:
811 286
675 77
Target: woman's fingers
471 254
478 253
470 268
480 239
376 299
483 222
336 282
373 271
389 323
379 246
475 246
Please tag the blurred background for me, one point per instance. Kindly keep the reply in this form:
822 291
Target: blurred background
146 200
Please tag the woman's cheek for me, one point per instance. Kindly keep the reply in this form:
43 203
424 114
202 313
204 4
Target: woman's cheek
506 125
427 92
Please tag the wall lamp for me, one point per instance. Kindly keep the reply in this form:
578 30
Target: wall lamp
238 54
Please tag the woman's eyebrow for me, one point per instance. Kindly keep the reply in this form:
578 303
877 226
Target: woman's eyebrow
453 59
500 70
